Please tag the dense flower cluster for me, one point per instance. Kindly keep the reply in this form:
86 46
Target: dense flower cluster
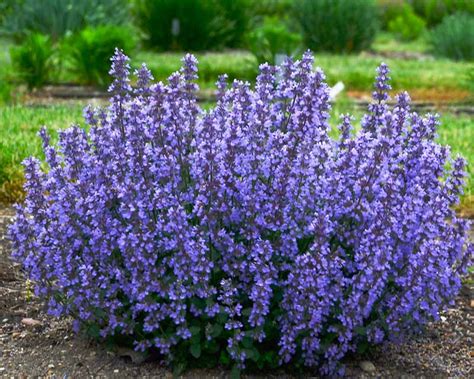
247 224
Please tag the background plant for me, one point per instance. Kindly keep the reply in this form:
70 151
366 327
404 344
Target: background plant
454 37
56 18
280 9
389 10
271 38
192 24
33 60
244 235
89 51
434 11
407 26
6 7
337 25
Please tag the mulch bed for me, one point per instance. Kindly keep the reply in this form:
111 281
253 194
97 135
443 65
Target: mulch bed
51 349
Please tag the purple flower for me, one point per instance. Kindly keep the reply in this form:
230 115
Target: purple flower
247 217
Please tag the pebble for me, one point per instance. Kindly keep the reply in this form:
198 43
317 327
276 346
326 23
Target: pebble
30 322
472 303
367 366
5 320
2 369
50 366
116 371
136 357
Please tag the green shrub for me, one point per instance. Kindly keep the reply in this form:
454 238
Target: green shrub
407 26
89 51
272 38
434 11
192 24
6 8
337 25
271 8
389 10
56 18
33 60
454 37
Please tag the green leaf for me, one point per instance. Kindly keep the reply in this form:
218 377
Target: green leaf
195 330
224 358
93 331
360 330
252 354
271 358
247 342
211 347
178 369
235 372
362 347
100 313
222 317
217 330
195 350
246 312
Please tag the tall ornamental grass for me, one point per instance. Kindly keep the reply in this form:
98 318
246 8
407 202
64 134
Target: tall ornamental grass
454 37
338 26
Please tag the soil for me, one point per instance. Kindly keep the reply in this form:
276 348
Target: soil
51 349
427 99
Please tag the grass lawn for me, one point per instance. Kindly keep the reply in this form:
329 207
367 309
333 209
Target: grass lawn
19 126
384 42
355 71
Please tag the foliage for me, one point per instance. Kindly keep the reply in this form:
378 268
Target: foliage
271 8
407 26
33 60
337 25
5 92
192 24
6 7
56 18
90 51
237 64
6 87
454 37
244 235
19 125
389 10
272 38
434 11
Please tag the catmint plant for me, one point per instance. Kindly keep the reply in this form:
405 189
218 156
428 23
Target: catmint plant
245 234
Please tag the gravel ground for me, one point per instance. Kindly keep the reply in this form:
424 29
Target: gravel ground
34 344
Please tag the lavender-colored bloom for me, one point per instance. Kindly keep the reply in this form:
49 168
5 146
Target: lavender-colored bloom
249 212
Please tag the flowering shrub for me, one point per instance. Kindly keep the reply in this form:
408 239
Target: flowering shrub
244 234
